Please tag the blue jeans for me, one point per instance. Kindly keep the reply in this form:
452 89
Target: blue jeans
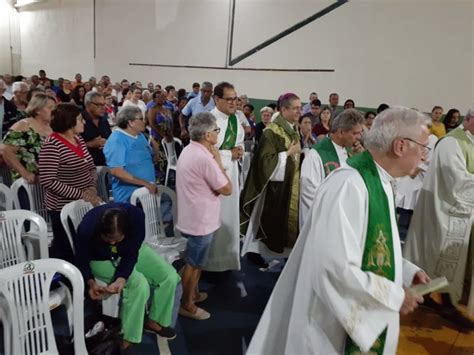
197 249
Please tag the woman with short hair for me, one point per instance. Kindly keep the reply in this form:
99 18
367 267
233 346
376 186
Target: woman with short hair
67 171
200 179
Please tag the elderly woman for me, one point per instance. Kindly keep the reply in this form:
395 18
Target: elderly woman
200 179
21 145
266 116
66 171
109 247
129 156
20 90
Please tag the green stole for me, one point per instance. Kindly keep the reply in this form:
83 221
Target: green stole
230 134
328 155
378 255
466 147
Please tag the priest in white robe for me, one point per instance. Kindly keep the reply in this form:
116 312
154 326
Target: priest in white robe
328 155
224 252
441 232
344 285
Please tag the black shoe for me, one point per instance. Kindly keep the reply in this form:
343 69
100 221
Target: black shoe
432 304
257 259
165 332
457 318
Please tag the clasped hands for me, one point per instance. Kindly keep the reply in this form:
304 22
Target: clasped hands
97 292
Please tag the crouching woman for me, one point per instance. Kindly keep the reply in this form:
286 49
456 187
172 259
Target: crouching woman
109 247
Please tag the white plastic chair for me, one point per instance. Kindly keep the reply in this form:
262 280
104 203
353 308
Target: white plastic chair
73 212
6 198
103 175
35 193
171 248
25 288
5 321
17 247
171 156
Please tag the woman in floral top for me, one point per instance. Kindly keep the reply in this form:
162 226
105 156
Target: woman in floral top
22 143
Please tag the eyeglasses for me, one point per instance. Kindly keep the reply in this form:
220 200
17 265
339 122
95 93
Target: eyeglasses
98 104
229 99
217 130
427 149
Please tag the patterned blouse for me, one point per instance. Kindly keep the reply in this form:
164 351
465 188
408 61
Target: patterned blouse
29 144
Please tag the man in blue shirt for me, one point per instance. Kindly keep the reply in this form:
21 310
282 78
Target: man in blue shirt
201 103
129 156
195 92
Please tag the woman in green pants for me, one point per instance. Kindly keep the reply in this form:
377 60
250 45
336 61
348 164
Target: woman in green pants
109 246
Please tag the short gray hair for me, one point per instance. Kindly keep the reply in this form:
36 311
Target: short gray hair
201 124
469 113
346 120
90 96
17 85
126 114
392 123
206 84
266 109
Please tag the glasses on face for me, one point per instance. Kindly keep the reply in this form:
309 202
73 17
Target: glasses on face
230 100
426 148
98 104
217 130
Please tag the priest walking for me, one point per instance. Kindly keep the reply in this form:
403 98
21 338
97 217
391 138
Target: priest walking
269 200
329 154
224 253
345 283
441 238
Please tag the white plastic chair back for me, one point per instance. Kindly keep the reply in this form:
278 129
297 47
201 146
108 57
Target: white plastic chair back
5 322
15 246
74 212
171 155
25 288
36 197
103 175
155 228
6 198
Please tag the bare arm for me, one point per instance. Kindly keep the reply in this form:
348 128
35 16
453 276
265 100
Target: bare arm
123 175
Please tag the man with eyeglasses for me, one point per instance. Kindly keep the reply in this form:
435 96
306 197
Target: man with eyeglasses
441 235
96 128
224 252
346 283
270 198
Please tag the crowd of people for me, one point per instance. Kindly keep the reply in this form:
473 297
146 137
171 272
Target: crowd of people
319 189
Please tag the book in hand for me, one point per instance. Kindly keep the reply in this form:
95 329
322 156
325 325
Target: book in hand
432 286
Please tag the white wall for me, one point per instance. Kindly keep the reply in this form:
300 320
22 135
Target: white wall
413 53
9 38
57 36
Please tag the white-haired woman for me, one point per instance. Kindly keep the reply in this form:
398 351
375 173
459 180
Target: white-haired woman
266 116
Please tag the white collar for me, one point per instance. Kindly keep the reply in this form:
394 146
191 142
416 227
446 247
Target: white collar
469 134
384 175
337 146
220 114
127 134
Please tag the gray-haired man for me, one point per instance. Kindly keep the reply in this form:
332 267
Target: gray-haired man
328 155
96 128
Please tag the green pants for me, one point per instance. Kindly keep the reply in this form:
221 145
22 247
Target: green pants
150 270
